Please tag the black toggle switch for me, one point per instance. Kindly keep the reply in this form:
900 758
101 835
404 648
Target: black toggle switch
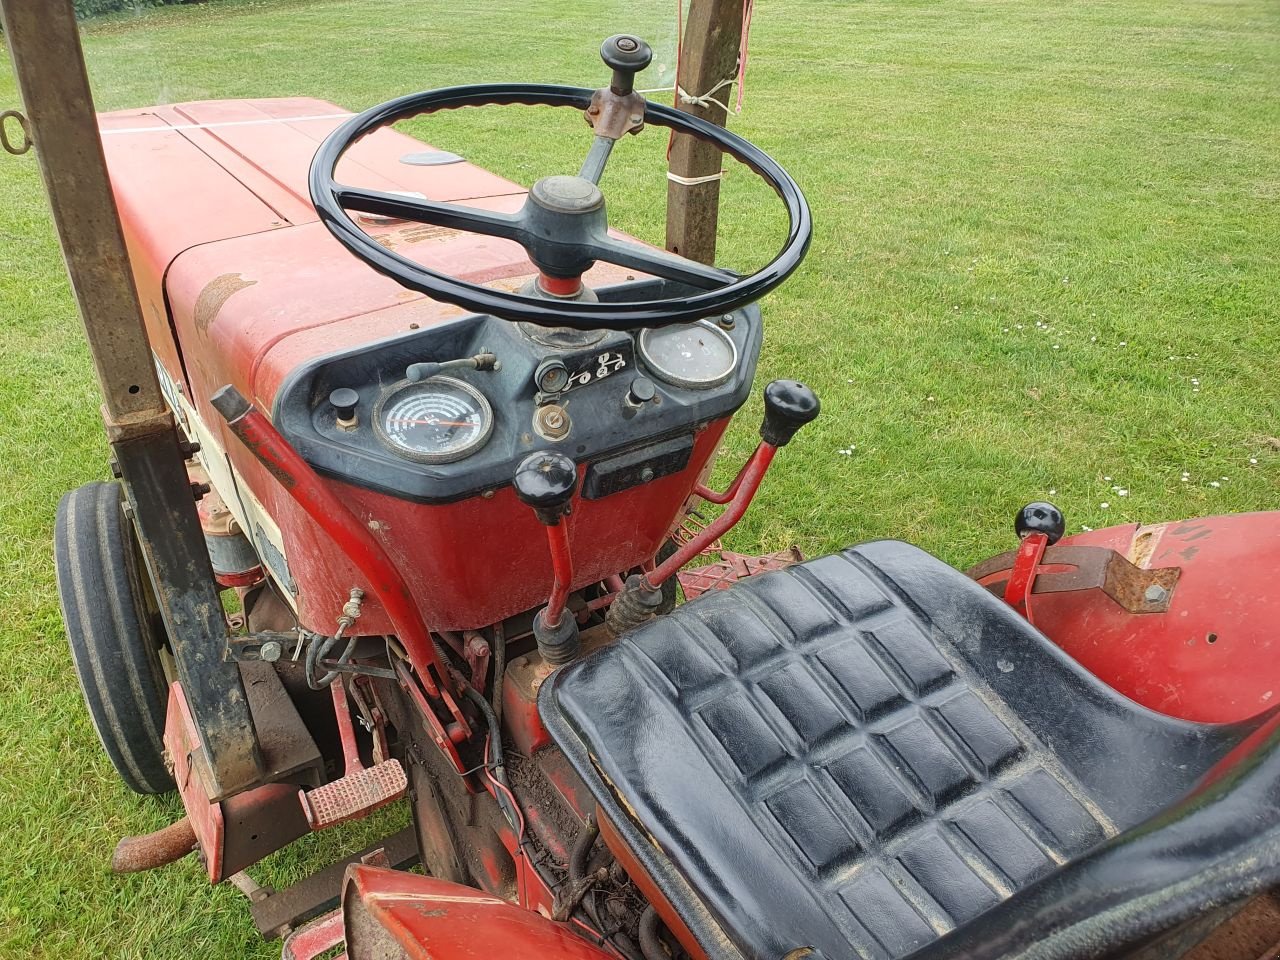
1040 517
344 401
788 406
546 481
626 56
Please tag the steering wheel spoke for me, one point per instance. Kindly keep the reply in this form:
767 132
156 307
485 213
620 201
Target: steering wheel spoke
491 223
660 263
594 162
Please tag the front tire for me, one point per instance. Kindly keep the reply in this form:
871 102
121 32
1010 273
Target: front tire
113 631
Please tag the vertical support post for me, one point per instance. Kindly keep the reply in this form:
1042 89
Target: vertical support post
44 43
712 36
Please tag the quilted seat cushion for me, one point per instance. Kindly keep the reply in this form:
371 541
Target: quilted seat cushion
809 759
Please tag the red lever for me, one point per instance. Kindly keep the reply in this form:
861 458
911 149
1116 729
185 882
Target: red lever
738 497
547 481
1022 577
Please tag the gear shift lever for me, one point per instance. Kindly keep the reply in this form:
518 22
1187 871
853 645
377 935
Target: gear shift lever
546 481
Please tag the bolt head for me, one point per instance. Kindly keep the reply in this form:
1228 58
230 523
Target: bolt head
1155 593
270 651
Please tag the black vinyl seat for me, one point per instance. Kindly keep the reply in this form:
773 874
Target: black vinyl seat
867 755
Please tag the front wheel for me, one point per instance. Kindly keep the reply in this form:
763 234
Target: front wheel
114 632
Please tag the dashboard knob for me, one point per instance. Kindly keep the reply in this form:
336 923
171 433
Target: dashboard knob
344 401
546 481
641 391
788 406
1040 517
626 56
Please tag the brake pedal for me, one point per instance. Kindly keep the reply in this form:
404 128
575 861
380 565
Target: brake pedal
354 796
362 789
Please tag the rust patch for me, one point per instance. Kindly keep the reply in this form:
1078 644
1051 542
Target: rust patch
216 293
417 233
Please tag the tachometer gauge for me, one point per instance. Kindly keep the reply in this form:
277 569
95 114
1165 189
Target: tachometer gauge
693 355
437 420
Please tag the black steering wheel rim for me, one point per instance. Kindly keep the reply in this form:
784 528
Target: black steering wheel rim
578 314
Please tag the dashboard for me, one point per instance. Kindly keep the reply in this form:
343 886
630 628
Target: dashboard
447 413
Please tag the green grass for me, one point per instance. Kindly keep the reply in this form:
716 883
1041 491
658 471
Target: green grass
1035 225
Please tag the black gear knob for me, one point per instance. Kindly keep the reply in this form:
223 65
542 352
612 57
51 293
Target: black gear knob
626 56
788 406
546 481
1040 517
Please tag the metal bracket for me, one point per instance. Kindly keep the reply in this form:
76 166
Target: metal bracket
1068 567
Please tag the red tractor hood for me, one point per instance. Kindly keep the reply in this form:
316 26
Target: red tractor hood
239 279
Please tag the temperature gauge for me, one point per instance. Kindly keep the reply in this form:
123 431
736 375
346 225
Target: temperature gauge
437 420
692 355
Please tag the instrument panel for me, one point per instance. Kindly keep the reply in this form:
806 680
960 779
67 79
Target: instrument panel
461 431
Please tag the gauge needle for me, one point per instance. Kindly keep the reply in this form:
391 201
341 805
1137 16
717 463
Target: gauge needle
431 423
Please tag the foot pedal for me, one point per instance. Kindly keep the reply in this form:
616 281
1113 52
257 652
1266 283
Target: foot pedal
355 795
732 568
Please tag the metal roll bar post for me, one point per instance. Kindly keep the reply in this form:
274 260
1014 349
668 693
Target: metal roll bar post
44 43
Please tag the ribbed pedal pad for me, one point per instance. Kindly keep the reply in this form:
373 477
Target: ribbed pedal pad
355 795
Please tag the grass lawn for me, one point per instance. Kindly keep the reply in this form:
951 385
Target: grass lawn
1045 265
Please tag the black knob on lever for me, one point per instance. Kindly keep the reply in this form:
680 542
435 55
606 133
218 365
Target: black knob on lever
788 406
546 481
1040 517
626 56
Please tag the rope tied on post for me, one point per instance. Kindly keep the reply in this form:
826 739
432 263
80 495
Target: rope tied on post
708 99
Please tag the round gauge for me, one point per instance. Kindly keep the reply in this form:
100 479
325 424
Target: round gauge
437 420
694 355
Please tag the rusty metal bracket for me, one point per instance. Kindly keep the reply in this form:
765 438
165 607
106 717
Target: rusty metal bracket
1065 568
23 124
613 116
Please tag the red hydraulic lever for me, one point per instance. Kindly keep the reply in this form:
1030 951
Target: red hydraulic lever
262 439
739 496
1022 577
788 406
1038 525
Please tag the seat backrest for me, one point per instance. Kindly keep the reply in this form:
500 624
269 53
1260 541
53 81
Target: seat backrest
1133 761
1140 893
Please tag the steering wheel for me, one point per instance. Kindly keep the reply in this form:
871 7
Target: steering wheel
562 225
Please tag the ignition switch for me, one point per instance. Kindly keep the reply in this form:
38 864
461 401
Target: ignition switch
552 422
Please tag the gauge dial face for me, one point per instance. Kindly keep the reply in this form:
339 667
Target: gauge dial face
437 420
694 355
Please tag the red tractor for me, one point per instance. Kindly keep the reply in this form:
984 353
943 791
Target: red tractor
442 436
